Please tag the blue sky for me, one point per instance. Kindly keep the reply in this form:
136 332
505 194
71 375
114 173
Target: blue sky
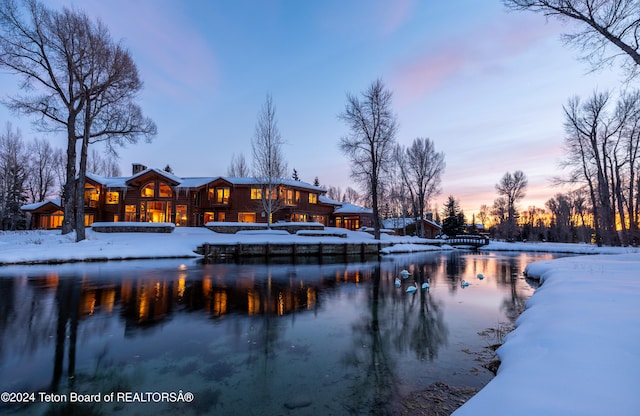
485 84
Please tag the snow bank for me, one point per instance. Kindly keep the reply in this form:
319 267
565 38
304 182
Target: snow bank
576 348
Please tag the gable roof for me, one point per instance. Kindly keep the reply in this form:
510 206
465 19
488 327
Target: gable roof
54 204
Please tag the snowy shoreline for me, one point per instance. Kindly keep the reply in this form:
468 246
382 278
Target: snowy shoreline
575 348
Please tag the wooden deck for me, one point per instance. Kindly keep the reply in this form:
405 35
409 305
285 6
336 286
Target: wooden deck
220 251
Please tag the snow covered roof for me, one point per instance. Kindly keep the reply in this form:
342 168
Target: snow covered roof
326 200
348 208
36 205
195 182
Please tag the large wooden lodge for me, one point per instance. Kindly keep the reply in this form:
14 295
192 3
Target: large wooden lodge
153 195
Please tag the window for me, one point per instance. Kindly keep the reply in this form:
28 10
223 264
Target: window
148 191
53 220
130 213
256 193
221 216
157 211
181 215
222 195
299 218
313 198
113 197
88 219
319 218
165 190
91 197
208 217
291 197
246 217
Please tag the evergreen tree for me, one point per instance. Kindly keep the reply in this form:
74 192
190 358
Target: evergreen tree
453 222
295 175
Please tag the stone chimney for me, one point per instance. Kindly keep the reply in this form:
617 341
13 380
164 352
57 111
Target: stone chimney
137 168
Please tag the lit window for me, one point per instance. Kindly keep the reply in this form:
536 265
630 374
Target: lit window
313 198
246 217
291 197
130 213
113 197
148 191
223 195
221 216
181 215
165 190
208 217
256 193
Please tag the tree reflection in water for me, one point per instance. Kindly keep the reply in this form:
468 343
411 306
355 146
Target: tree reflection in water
342 335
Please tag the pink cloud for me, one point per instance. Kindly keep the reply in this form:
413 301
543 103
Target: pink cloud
479 49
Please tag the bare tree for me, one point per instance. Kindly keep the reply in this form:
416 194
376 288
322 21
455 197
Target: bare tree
81 82
369 144
421 168
42 179
590 132
607 30
106 165
269 166
238 167
483 215
13 174
511 188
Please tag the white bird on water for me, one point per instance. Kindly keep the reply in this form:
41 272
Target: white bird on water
397 282
480 276
464 283
425 286
412 289
405 273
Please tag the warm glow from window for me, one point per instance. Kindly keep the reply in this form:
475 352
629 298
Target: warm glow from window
313 198
299 218
208 217
88 219
181 215
256 193
130 213
113 197
148 191
222 195
246 217
165 190
291 197
221 216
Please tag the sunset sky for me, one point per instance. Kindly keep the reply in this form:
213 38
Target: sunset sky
486 84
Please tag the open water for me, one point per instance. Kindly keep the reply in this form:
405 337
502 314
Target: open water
179 337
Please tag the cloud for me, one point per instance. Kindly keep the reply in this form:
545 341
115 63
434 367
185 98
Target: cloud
478 50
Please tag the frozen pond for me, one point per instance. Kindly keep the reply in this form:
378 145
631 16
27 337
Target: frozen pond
253 339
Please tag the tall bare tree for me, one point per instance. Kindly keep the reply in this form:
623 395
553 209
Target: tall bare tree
269 166
606 30
421 168
80 81
511 188
369 145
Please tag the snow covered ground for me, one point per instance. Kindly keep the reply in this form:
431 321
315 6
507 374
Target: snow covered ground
575 351
576 348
